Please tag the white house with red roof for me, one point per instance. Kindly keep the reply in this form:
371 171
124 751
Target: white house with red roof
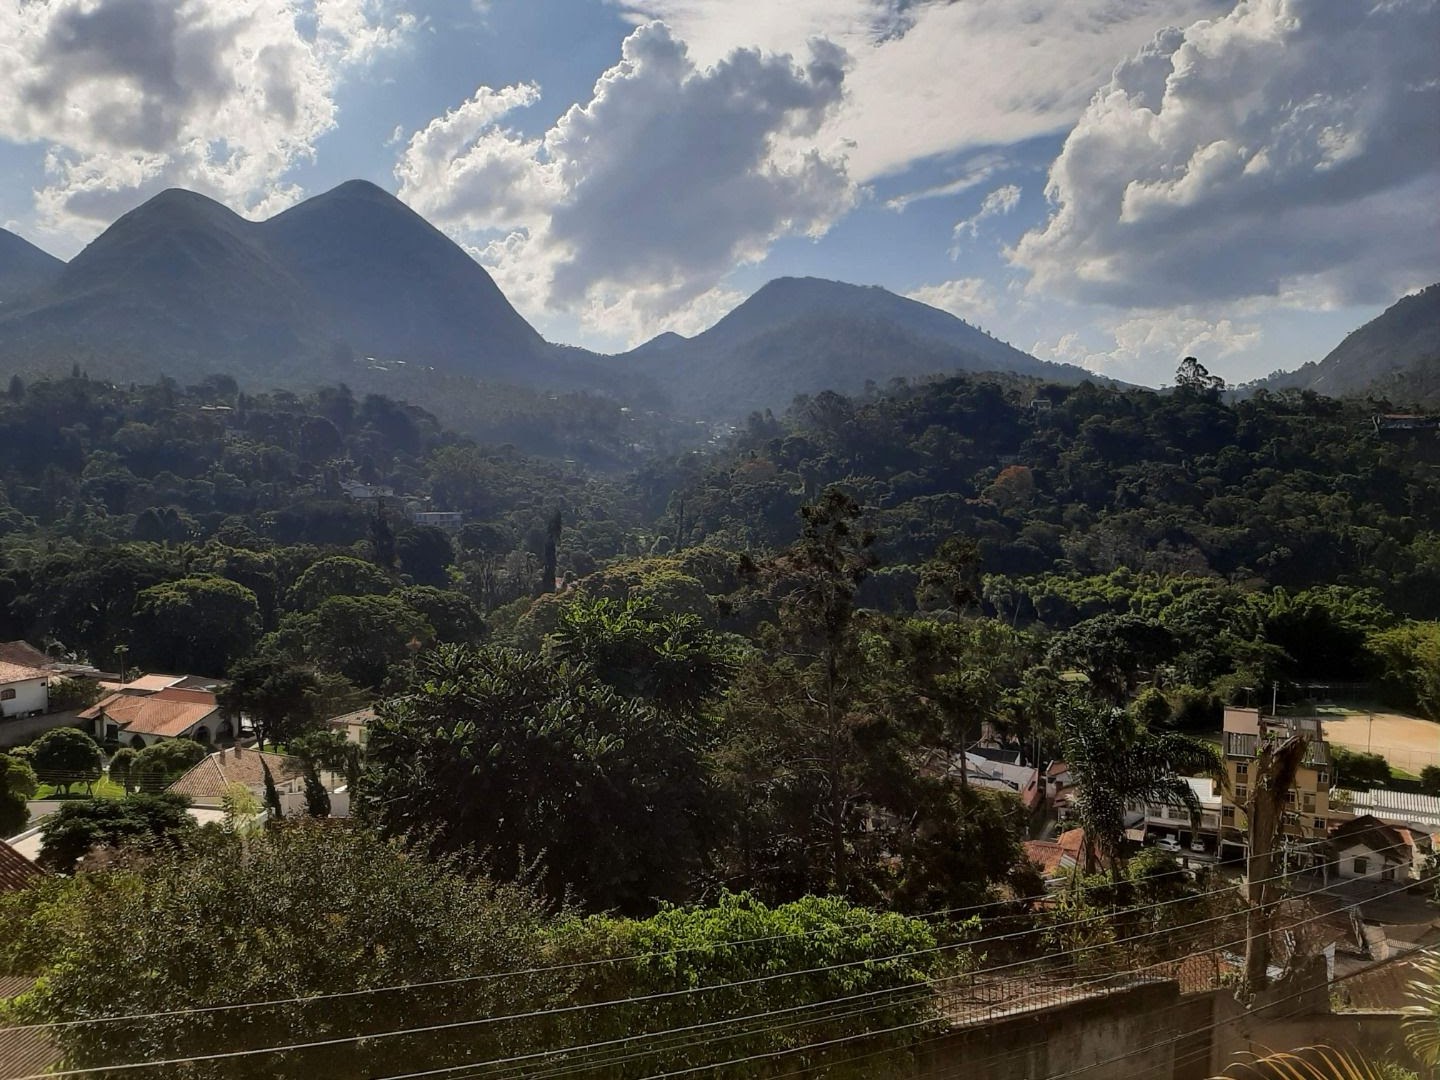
24 690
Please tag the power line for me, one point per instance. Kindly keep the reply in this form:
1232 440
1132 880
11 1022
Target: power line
867 994
546 969
621 1001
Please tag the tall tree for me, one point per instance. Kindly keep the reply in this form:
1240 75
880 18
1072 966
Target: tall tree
281 699
505 752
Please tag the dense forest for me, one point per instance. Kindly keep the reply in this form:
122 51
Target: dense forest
628 711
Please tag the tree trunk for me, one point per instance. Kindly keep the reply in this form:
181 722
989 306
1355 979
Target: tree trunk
1273 775
838 868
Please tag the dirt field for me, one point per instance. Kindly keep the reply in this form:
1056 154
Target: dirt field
1406 742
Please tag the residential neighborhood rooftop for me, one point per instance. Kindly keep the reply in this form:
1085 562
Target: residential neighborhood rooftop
13 673
209 778
167 713
16 871
23 653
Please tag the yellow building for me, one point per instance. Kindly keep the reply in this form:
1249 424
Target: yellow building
1307 815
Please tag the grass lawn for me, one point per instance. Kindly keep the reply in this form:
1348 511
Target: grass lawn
104 788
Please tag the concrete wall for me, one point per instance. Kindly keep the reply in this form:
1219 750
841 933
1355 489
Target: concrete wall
1376 1036
17 731
1120 1036
31 696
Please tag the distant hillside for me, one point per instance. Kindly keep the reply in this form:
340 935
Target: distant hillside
805 335
1396 354
182 286
24 267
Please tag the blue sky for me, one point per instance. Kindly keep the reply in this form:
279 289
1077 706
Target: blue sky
1116 183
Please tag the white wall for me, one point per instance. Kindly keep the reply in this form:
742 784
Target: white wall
1374 865
31 695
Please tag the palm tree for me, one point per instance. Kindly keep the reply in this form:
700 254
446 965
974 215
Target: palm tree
1422 1025
1118 761
1273 775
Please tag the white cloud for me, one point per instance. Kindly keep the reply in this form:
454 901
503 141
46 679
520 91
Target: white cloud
998 203
1145 348
969 298
634 205
933 77
973 172
131 96
357 30
1288 149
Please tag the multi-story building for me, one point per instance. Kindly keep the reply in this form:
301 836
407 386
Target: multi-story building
1307 814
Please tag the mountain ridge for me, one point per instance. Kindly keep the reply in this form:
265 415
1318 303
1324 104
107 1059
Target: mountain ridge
24 267
1397 347
352 280
800 335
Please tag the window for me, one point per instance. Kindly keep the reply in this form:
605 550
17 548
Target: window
1290 796
1228 813
1323 777
1320 823
1241 793
1242 769
7 695
1309 802
1359 866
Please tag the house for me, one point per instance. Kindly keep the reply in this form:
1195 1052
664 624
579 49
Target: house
449 520
1060 790
140 720
999 774
24 654
1173 819
1367 849
1307 817
355 726
16 871
1060 856
1420 813
24 690
204 785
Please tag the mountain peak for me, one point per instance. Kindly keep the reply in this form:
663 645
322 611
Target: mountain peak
24 267
358 189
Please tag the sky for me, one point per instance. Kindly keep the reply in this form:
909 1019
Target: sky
1113 183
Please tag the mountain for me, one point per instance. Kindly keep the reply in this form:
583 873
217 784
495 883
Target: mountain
396 285
803 335
24 267
183 286
1396 354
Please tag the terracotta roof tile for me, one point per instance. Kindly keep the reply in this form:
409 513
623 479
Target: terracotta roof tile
153 714
16 871
20 672
238 765
23 654
24 1053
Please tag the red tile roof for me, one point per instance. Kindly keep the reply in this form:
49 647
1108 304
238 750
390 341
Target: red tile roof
24 1053
24 654
16 871
167 713
238 765
11 673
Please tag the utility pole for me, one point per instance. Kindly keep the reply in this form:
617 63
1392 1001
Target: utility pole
120 651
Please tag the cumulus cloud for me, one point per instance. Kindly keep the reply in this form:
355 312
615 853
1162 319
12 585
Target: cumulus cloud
1143 346
635 204
969 298
1287 149
933 77
130 96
